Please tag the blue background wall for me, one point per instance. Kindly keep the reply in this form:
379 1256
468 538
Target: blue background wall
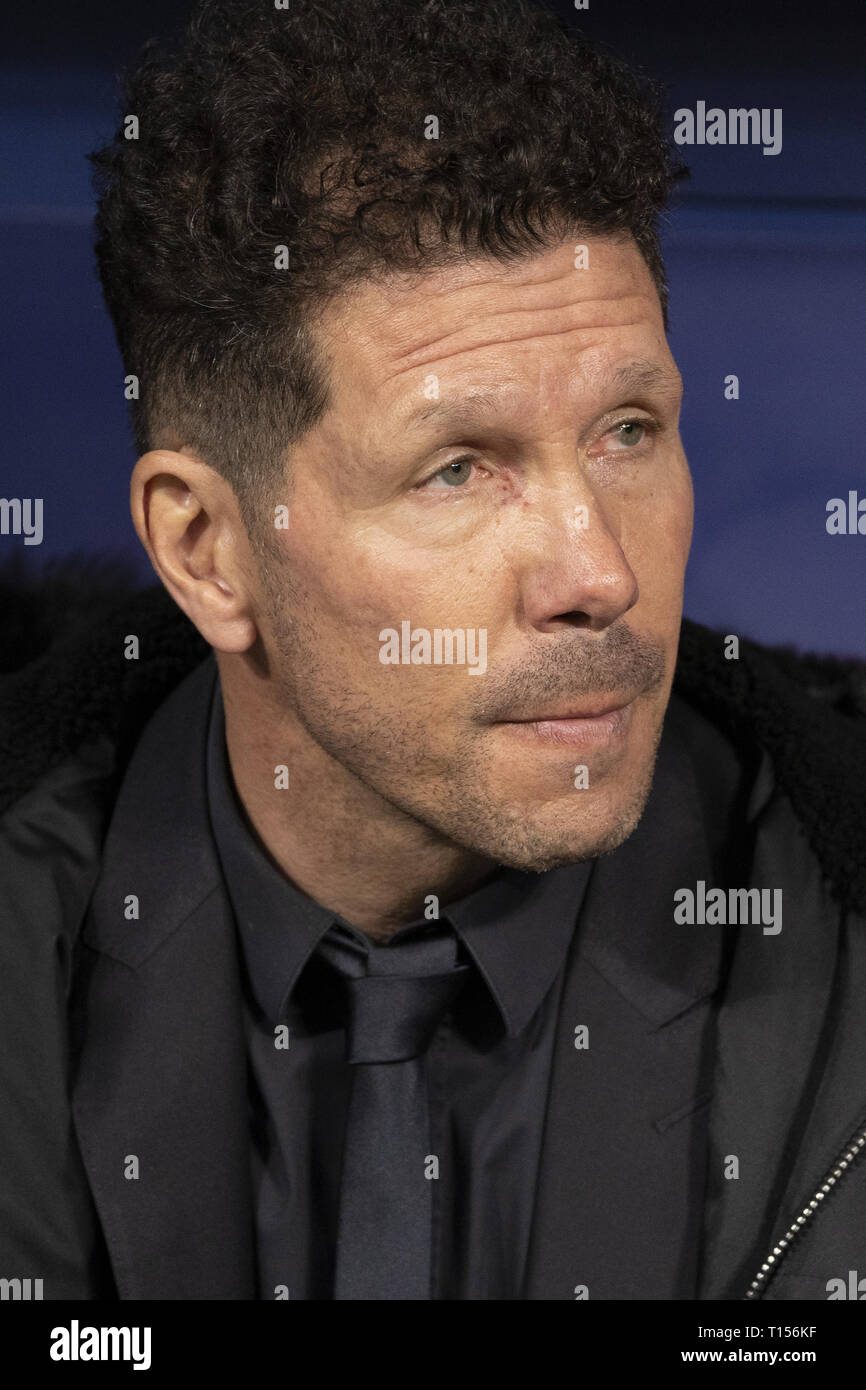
765 258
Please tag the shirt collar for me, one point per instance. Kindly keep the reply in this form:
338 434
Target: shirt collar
279 926
516 927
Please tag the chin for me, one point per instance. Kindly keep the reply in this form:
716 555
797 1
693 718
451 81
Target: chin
536 849
551 841
539 859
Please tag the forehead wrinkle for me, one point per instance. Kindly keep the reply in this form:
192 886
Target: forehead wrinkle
415 357
473 290
477 402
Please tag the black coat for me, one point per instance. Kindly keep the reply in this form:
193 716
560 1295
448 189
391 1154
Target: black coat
116 1043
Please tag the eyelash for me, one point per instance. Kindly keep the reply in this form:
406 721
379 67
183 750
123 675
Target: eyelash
652 427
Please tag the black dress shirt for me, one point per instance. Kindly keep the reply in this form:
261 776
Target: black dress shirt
488 1064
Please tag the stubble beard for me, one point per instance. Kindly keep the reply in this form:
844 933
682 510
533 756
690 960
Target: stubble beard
443 795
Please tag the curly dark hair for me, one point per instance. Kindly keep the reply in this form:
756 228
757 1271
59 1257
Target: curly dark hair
307 128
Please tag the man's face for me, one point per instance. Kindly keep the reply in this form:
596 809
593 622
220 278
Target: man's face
500 464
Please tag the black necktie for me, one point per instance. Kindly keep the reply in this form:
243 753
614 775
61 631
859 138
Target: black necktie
397 995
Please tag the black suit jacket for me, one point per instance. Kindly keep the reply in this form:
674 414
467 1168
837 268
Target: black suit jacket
160 1067
160 1076
152 1053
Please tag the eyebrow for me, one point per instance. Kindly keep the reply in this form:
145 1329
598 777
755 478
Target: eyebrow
479 403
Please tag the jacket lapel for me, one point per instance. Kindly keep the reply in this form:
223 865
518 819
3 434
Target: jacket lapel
160 1089
620 1189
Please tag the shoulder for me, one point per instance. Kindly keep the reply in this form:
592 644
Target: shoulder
87 654
728 675
807 712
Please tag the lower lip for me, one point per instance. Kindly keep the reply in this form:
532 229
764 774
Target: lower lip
575 733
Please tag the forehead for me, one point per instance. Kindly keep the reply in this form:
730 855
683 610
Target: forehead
562 313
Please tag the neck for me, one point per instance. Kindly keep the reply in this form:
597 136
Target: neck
334 837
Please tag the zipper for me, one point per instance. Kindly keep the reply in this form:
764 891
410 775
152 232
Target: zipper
851 1152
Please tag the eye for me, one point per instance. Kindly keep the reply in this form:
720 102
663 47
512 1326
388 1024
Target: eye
455 472
632 433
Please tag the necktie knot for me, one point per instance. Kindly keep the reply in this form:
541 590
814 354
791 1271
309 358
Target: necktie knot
396 994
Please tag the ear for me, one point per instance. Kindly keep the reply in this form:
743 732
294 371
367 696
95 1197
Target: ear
189 522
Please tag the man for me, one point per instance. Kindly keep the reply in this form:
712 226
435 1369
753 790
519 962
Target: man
400 902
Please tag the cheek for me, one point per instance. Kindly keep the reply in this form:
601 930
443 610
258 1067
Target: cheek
680 525
656 545
662 524
685 508
675 530
371 580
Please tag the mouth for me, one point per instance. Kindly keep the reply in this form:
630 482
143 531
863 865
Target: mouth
595 724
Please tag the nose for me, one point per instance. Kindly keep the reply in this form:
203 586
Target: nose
574 570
